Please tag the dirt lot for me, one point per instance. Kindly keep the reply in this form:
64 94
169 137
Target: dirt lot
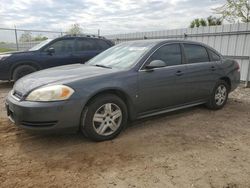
189 148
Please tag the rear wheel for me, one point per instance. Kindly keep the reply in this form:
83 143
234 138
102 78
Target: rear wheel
22 71
219 96
104 118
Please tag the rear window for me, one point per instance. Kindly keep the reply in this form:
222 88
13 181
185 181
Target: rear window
196 53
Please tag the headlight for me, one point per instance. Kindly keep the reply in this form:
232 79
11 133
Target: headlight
4 56
51 93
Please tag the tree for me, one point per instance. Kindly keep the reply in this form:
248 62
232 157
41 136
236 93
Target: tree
208 22
235 10
25 37
214 21
39 38
75 30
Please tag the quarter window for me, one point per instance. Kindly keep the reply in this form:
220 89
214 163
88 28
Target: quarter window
170 54
102 45
196 53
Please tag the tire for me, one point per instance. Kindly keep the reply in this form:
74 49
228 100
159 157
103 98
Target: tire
104 118
218 98
22 71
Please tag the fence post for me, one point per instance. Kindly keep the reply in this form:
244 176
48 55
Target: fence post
248 74
17 47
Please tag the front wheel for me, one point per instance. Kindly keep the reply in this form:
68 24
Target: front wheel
22 71
219 96
104 118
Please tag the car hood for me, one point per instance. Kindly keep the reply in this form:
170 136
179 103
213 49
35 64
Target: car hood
59 75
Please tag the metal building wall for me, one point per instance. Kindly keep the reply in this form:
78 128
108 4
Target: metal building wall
229 40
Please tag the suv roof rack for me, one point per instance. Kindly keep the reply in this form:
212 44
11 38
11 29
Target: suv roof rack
84 35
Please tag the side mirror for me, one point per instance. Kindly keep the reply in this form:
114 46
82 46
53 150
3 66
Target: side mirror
51 51
156 64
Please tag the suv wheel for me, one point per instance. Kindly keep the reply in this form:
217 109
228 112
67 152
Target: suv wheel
104 118
219 96
22 71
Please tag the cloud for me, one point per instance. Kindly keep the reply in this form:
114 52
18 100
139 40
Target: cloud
120 16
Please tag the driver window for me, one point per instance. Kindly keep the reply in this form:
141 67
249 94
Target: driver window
62 46
170 54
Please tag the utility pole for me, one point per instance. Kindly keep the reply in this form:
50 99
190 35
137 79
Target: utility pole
17 47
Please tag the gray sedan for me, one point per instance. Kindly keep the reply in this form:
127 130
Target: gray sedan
126 82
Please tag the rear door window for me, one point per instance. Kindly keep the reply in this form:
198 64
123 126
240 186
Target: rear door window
86 45
213 56
170 54
196 53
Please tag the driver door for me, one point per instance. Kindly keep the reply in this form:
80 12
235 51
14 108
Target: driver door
163 87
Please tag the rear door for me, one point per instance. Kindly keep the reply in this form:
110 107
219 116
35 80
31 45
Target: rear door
201 72
88 48
163 87
63 55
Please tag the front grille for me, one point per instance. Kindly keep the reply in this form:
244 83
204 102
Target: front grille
39 124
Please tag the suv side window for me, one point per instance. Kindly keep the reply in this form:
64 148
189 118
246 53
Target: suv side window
170 54
196 53
213 56
102 45
86 45
62 46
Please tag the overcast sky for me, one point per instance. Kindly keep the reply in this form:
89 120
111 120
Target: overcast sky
111 16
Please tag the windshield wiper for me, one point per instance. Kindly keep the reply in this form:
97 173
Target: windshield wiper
103 66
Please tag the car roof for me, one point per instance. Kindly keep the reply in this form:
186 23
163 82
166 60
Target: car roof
156 42
159 41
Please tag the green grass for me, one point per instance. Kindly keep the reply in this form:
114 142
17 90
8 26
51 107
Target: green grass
5 50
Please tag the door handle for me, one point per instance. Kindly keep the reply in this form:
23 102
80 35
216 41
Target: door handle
213 68
179 73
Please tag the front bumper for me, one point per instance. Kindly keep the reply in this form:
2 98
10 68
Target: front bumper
44 116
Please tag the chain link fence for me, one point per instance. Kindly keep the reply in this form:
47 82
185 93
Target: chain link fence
22 39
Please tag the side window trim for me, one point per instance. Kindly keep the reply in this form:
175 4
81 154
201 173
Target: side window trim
142 68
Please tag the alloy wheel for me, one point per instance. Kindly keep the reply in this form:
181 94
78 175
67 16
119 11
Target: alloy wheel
107 119
220 95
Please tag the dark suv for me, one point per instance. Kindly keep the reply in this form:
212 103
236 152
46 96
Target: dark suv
50 53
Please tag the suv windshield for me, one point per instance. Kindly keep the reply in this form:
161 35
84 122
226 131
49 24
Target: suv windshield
121 56
40 45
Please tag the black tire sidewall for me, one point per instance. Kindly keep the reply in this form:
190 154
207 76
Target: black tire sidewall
87 117
18 72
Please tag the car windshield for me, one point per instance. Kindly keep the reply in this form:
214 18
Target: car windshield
40 45
121 56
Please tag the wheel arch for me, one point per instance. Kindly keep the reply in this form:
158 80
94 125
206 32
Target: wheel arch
120 93
227 80
21 63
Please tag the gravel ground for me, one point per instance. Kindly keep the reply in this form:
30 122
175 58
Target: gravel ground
195 147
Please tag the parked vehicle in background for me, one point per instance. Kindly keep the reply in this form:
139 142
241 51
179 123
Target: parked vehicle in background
128 81
51 53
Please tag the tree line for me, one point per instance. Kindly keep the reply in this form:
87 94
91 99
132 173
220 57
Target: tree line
232 11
